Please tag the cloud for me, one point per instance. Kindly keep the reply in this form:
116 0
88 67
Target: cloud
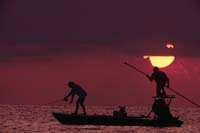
129 27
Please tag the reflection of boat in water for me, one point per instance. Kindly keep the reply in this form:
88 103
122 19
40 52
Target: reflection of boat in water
162 117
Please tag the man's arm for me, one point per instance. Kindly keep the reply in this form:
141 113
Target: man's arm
69 94
150 77
167 80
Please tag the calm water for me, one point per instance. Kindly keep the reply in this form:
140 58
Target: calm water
37 118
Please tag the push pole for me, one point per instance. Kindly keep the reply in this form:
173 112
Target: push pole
166 87
135 68
184 97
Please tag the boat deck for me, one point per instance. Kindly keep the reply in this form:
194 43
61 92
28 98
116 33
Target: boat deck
113 121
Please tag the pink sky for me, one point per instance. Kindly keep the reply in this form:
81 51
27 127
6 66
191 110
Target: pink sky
106 79
87 42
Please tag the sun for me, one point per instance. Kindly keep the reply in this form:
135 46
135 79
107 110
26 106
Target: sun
161 61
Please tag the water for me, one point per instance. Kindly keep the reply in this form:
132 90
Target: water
38 119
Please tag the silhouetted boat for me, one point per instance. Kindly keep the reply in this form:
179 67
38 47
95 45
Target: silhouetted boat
114 121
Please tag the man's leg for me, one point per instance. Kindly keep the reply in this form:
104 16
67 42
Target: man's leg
163 91
77 106
82 105
158 89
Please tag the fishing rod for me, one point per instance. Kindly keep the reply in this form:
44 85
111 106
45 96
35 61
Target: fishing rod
187 99
55 101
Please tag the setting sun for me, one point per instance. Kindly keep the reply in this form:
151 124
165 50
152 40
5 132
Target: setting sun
160 61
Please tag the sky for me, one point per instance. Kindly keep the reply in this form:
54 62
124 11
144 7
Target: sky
44 44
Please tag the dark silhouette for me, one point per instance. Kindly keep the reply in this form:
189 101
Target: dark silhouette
80 92
121 113
161 80
161 109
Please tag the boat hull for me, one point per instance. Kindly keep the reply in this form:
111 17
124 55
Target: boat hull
113 121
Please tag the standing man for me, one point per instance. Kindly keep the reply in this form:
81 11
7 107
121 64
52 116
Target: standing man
161 80
80 92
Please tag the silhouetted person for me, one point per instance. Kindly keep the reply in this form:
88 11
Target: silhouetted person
80 92
161 80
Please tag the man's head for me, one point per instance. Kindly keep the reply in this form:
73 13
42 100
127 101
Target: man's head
70 83
155 69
